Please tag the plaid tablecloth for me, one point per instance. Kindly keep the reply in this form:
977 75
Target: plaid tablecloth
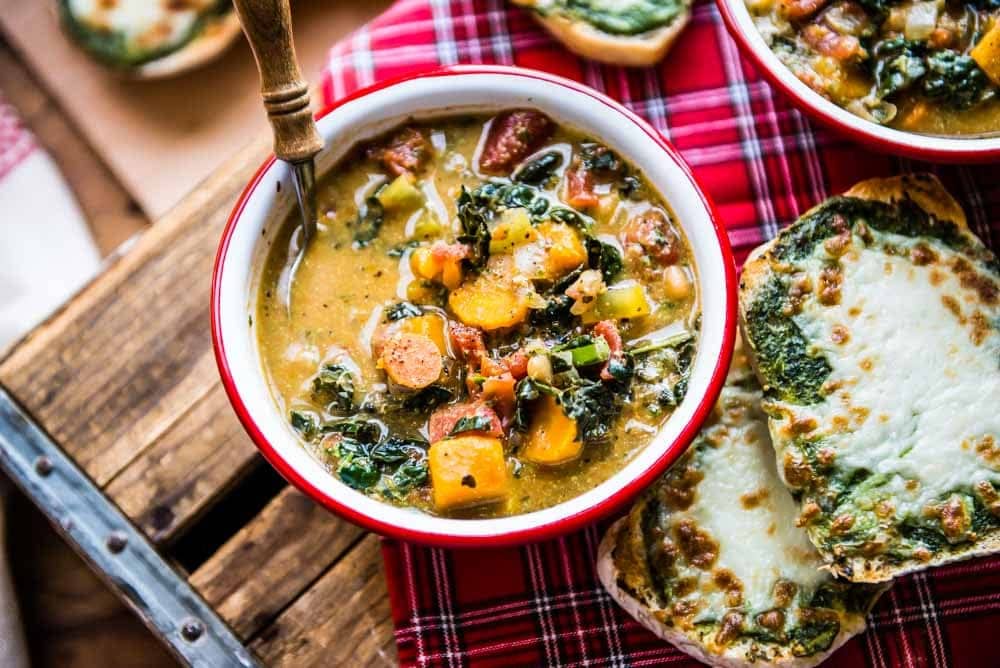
763 163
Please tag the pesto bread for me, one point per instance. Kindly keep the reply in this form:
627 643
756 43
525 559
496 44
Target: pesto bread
145 39
711 560
619 32
873 326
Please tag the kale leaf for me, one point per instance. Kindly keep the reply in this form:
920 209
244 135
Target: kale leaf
555 315
391 467
305 423
476 208
594 406
955 80
428 398
401 310
471 423
334 387
369 222
474 218
604 257
359 429
899 64
539 170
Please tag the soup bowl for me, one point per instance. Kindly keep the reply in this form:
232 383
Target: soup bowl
268 199
933 148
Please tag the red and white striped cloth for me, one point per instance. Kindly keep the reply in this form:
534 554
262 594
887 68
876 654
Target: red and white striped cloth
764 164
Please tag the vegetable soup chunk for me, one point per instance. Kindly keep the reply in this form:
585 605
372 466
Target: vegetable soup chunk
496 315
926 66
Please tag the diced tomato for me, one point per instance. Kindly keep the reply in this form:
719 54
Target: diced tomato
580 187
513 136
517 364
608 330
797 10
444 419
405 151
940 38
650 233
829 43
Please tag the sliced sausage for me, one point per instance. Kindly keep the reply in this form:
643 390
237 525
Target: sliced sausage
405 151
513 136
650 233
412 361
443 420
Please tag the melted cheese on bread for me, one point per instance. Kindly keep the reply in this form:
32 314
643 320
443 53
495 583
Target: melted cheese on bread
711 557
132 32
897 455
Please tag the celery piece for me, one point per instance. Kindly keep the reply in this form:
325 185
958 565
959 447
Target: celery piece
401 195
617 303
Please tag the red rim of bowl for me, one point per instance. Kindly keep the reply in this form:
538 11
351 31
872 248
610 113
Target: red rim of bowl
529 534
803 100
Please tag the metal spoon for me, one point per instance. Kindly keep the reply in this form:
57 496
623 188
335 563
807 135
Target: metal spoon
268 27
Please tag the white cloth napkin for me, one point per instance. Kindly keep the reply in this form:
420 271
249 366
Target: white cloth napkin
46 252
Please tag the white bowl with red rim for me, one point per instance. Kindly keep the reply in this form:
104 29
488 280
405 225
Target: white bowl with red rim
267 200
934 148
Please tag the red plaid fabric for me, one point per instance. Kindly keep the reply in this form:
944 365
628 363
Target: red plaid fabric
16 142
764 164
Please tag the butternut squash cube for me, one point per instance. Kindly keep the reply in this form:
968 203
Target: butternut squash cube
467 471
488 303
987 53
552 438
564 249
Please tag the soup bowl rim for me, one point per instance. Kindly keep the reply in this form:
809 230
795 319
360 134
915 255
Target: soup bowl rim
935 148
434 530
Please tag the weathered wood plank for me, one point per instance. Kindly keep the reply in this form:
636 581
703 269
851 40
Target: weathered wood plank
272 560
344 619
112 372
193 463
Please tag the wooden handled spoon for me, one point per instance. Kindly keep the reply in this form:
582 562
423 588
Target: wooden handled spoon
268 27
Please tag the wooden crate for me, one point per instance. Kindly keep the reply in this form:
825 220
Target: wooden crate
123 381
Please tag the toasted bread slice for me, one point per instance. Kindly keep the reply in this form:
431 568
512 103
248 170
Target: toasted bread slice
710 558
615 41
874 326
146 40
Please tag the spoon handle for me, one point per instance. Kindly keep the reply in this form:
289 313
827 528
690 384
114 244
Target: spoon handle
268 27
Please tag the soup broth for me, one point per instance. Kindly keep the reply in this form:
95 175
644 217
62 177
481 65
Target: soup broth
496 315
926 66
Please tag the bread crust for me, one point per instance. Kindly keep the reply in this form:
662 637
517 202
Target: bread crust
608 573
217 36
640 50
927 192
